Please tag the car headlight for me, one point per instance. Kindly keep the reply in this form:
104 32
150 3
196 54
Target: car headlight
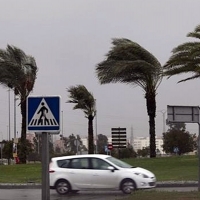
142 175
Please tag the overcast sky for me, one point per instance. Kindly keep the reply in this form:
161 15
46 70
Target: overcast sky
68 38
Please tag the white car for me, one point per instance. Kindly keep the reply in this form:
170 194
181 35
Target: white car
96 171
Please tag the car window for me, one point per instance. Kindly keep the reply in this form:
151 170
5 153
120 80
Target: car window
80 163
119 163
63 163
99 164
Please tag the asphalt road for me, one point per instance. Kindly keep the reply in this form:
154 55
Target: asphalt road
35 194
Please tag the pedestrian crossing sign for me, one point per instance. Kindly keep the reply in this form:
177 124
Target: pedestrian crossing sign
43 114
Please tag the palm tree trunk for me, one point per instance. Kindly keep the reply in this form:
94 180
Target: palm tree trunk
90 135
151 110
23 149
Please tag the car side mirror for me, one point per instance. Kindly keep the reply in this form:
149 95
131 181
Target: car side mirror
111 168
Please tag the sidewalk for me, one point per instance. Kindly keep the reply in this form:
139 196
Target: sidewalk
38 186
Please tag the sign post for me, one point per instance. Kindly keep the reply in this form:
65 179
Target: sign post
43 116
186 114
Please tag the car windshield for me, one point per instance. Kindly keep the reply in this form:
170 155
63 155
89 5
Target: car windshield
119 163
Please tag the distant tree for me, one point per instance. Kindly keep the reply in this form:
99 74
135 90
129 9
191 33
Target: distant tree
57 150
70 144
177 126
29 148
51 147
144 152
33 156
7 149
84 100
128 62
102 141
178 140
128 152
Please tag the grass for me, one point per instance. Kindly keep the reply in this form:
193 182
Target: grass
158 195
176 168
20 173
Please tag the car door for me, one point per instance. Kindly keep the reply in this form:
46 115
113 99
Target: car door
80 174
102 177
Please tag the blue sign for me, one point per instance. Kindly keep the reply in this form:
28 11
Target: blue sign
43 114
106 149
176 149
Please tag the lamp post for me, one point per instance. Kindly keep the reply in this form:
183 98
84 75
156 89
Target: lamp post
15 131
62 123
9 114
96 125
15 99
62 131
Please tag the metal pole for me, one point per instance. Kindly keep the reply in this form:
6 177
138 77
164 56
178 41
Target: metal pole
96 126
15 138
9 114
76 145
199 152
38 144
62 124
45 166
1 153
199 159
14 117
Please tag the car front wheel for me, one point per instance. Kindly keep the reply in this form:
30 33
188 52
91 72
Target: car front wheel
63 187
128 186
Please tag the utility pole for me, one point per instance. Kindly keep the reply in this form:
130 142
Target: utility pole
96 125
9 114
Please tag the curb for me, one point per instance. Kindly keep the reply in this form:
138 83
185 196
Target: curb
20 186
39 186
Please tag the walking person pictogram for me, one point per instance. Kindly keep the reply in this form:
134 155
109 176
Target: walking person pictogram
43 110
42 116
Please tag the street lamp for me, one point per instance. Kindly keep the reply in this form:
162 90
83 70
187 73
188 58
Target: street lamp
15 132
9 114
96 124
62 123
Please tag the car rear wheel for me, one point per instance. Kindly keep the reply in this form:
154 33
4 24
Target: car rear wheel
128 186
63 187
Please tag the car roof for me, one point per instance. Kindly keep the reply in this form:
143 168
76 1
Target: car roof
81 156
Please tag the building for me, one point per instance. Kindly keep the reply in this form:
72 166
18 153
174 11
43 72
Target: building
85 142
143 142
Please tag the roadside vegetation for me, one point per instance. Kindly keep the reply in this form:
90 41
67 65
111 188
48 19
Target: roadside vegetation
174 168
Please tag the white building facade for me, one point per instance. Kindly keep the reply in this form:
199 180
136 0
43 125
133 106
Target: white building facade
143 142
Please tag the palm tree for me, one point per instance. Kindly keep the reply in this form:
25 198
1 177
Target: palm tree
18 71
128 62
185 58
84 100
